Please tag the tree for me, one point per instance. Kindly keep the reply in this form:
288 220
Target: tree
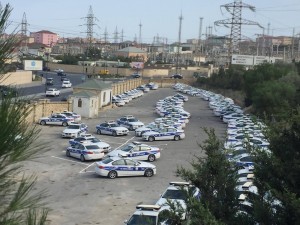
216 179
277 175
18 205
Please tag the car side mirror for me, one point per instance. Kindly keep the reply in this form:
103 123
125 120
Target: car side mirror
125 221
136 164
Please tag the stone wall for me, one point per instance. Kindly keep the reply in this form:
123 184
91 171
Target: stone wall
44 107
16 78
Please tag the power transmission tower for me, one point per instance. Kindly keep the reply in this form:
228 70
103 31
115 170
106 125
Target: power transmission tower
140 35
105 35
236 22
116 35
90 23
179 43
122 36
24 25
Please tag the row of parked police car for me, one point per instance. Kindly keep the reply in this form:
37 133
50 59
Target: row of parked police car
245 134
122 99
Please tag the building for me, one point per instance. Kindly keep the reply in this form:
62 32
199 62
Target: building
45 37
136 54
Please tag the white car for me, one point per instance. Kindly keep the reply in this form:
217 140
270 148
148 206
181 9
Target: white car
130 122
111 128
56 119
88 138
76 116
74 130
175 193
52 92
58 70
168 133
151 126
137 151
146 214
85 151
113 167
66 84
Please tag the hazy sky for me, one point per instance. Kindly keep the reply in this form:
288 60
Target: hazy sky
66 17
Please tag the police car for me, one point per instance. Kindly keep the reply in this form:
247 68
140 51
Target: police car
85 151
130 122
137 151
88 138
56 119
76 116
168 133
146 214
149 127
74 130
113 167
178 192
111 128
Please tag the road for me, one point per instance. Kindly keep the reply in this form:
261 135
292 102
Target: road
77 196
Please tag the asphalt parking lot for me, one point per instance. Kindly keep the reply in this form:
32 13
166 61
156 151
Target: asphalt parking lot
77 196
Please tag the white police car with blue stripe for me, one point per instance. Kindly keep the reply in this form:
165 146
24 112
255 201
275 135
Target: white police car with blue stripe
168 133
113 167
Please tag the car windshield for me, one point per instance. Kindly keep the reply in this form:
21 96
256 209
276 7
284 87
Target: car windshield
94 140
174 194
113 125
92 147
127 148
142 220
133 120
74 127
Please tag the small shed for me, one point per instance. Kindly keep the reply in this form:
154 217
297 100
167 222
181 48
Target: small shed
102 89
85 103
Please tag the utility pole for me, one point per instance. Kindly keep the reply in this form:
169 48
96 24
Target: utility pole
179 43
140 35
200 34
24 25
236 22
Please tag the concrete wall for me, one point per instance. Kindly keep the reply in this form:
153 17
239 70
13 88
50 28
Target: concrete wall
89 108
16 78
105 97
44 107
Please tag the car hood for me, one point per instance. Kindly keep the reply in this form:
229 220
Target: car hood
119 128
163 202
143 128
71 131
136 123
150 133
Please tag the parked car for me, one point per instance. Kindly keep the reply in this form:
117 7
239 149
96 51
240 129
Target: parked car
74 130
138 151
58 71
136 75
113 167
56 119
111 128
85 151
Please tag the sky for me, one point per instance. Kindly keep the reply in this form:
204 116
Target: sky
157 17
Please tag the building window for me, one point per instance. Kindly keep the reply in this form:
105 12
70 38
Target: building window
104 96
79 103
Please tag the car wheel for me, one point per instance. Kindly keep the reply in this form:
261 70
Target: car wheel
176 138
149 173
65 124
151 138
68 153
112 174
82 159
98 131
114 133
151 158
43 122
